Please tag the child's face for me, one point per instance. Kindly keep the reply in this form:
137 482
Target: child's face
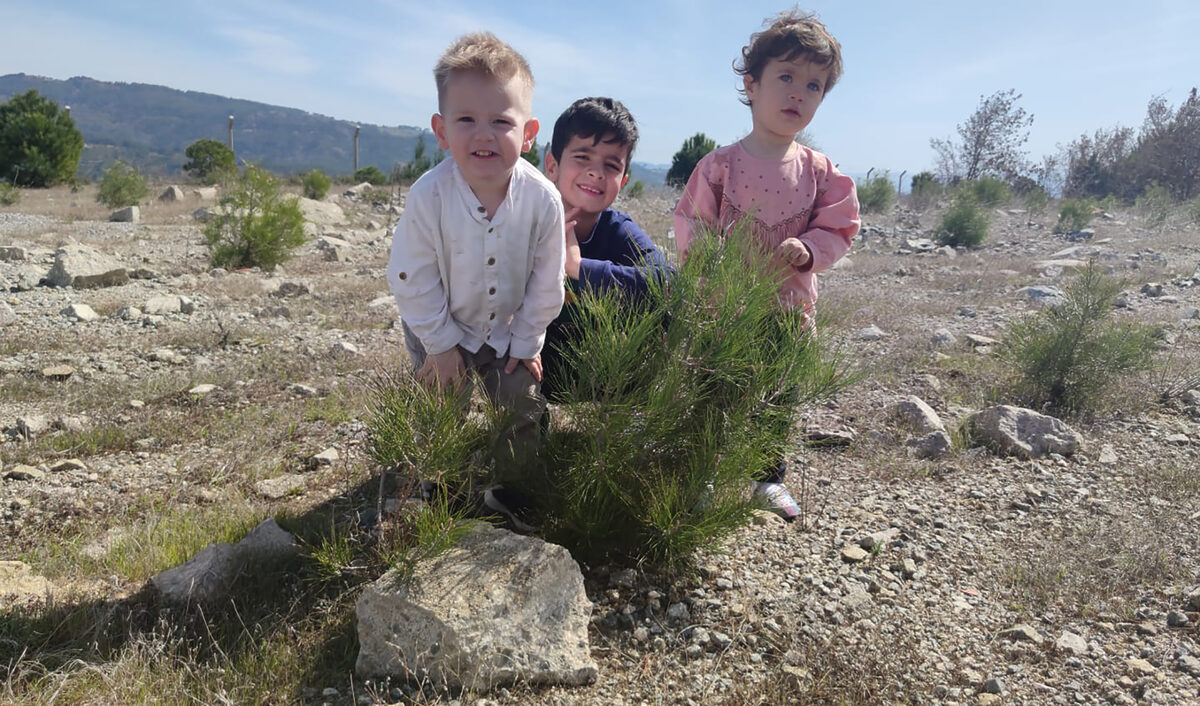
784 101
590 176
485 126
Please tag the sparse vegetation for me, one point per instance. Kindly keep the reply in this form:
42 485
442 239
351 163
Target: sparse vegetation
964 224
371 175
316 184
121 186
9 194
1074 215
924 190
39 143
255 226
1155 206
987 191
210 161
635 189
1067 355
989 142
876 195
420 163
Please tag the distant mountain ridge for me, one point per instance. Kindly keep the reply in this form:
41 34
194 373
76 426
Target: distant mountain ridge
150 126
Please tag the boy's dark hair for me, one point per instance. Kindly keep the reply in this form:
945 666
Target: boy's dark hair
791 35
598 118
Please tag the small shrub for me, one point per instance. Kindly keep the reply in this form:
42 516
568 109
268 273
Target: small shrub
965 224
316 185
256 225
9 194
1109 203
924 190
1154 204
987 191
122 186
1074 215
1067 355
636 189
1036 201
1192 210
876 195
371 175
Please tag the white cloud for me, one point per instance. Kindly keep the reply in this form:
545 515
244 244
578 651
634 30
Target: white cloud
269 51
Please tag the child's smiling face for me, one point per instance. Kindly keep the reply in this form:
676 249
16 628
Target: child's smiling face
590 174
785 98
485 125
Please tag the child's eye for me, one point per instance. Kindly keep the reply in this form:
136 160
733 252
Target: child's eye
786 78
502 121
613 167
465 119
814 86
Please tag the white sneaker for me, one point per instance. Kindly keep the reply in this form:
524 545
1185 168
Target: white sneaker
777 499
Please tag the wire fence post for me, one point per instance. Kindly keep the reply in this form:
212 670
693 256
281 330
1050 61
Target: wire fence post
231 133
356 129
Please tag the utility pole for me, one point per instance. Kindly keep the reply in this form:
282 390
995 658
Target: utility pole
67 110
356 129
230 133
900 181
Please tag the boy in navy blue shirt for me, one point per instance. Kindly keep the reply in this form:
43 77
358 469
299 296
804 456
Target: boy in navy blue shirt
589 161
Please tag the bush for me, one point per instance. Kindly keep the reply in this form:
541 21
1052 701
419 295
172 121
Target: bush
924 190
964 224
316 184
679 405
1066 356
9 194
1074 215
421 163
122 186
987 191
1154 204
636 189
371 175
1036 201
256 226
210 161
39 144
876 195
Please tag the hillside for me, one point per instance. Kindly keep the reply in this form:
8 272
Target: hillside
150 126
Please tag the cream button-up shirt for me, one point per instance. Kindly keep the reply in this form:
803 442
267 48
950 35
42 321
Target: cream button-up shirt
462 280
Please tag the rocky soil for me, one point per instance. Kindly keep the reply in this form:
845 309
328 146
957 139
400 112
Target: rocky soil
973 578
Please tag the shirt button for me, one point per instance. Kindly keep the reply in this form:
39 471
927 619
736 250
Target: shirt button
481 209
403 275
491 261
491 229
491 316
491 290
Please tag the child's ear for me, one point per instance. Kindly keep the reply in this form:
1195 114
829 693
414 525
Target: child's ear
438 124
551 166
531 131
749 84
624 180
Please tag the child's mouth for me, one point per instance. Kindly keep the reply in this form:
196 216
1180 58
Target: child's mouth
484 154
589 190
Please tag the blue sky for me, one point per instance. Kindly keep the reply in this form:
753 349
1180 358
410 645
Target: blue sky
913 70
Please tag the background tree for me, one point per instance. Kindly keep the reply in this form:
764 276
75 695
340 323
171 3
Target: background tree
411 171
989 142
533 156
685 160
1094 163
209 161
371 175
39 144
122 186
1168 149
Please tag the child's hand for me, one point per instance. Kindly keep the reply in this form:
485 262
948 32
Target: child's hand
574 256
534 365
443 370
794 252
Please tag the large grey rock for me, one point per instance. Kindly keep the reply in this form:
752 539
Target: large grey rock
1043 295
168 304
497 609
935 444
335 249
171 193
914 413
1023 432
83 267
13 253
19 584
209 574
205 193
80 312
321 212
7 315
129 214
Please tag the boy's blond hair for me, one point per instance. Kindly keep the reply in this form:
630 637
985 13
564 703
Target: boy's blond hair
483 53
791 35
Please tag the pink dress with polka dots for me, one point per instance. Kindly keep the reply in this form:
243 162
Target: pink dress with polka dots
802 197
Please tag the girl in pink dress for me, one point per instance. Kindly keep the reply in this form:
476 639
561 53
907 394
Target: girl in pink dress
803 210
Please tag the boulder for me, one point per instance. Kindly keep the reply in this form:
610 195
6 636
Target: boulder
129 214
168 304
936 444
321 212
914 413
83 267
498 608
7 316
205 193
80 312
1023 432
335 249
19 584
208 575
171 193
